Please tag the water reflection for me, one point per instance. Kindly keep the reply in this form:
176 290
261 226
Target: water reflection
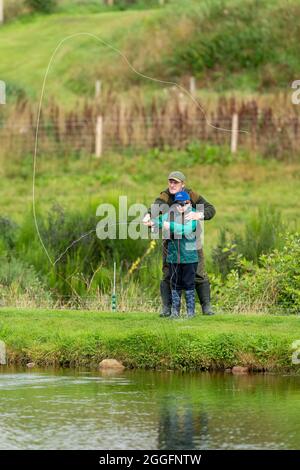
64 409
182 428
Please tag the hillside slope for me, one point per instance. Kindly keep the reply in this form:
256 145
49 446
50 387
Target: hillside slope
227 45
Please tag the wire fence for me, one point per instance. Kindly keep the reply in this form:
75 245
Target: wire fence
116 127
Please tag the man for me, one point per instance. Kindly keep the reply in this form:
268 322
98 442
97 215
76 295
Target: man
176 183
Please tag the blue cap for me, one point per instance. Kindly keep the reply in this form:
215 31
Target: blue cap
182 196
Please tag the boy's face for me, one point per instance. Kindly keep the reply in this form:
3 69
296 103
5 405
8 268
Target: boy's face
183 206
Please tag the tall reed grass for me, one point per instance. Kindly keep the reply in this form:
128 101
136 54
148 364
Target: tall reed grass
175 122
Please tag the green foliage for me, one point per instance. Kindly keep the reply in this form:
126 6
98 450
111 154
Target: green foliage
230 38
83 276
42 6
224 255
285 266
198 152
145 341
230 44
195 152
81 262
19 280
136 4
271 286
16 272
244 41
8 232
15 90
96 6
262 234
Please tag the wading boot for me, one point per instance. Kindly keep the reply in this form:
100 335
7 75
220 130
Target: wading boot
176 303
190 303
166 298
203 291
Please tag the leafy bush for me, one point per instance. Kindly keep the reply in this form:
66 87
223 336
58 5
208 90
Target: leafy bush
285 264
262 234
225 255
126 4
20 284
241 39
194 153
272 286
42 6
81 257
244 39
7 233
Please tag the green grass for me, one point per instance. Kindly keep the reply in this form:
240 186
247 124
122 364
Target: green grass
248 50
78 61
145 341
236 190
79 185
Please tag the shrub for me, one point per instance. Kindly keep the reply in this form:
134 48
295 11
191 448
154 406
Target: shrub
87 259
273 286
42 6
262 235
285 264
7 233
20 284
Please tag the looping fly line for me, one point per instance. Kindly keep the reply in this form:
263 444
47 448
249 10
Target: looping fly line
105 43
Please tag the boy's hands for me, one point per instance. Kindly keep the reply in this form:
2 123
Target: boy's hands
166 225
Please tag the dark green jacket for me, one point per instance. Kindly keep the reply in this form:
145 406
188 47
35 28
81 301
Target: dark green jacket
165 200
182 246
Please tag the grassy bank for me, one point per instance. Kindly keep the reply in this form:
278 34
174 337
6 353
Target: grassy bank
237 190
79 338
248 50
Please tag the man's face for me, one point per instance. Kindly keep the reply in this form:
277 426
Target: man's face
175 186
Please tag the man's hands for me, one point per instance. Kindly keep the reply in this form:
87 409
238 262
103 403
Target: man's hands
190 216
194 216
147 221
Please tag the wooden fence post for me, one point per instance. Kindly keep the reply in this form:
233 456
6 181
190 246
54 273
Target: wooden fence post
99 137
192 86
2 92
1 12
234 132
98 87
2 353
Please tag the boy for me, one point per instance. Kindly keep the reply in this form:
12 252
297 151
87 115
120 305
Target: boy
182 254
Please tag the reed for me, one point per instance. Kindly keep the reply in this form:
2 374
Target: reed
172 122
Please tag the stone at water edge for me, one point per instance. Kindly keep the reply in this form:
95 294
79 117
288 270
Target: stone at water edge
111 364
240 370
30 365
2 353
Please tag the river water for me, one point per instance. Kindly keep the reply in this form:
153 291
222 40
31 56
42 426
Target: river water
67 409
